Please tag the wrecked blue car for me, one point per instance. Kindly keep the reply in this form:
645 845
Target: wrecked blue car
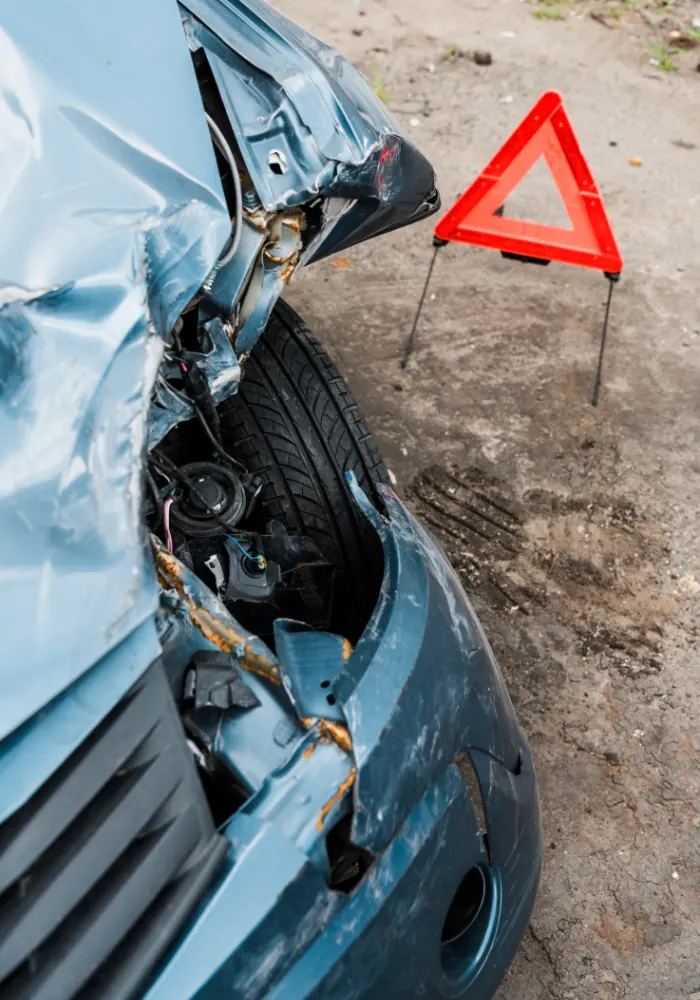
253 740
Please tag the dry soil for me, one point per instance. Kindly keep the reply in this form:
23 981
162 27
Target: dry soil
575 529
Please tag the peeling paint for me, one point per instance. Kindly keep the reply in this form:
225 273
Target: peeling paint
330 731
336 732
334 799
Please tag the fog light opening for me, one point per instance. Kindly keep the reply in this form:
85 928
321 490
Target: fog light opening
465 907
470 924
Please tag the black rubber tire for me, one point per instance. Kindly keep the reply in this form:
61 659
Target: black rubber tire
295 424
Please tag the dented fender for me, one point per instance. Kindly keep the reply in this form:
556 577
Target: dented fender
422 683
420 689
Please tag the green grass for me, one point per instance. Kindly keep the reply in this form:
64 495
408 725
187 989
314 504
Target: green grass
619 8
551 14
553 10
664 56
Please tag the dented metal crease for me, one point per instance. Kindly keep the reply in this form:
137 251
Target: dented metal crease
113 217
110 224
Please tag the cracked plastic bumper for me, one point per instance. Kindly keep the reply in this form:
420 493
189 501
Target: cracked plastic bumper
421 687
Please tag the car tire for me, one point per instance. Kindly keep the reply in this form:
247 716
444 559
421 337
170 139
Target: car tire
296 425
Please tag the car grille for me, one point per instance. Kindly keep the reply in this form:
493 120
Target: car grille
101 868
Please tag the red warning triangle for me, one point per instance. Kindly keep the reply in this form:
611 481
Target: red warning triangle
547 132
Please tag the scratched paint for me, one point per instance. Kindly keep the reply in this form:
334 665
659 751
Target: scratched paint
335 798
109 248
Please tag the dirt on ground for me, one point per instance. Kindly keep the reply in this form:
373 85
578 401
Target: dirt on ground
574 528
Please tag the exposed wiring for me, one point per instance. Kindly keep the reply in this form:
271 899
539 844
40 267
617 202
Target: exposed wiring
166 522
162 461
215 444
226 152
163 475
205 426
153 486
260 561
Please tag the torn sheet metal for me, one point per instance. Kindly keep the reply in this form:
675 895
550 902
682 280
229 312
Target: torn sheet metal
267 746
286 93
272 271
226 284
420 685
112 215
247 289
346 947
310 661
305 797
170 407
309 125
200 610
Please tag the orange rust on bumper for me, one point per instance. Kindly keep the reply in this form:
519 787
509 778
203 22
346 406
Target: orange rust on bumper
227 639
338 733
289 269
329 731
348 783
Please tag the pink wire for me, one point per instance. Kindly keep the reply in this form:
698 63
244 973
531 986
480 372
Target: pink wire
166 522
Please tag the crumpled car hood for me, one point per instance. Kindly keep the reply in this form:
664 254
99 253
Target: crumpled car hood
112 214
310 105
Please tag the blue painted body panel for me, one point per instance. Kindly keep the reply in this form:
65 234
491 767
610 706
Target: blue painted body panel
112 214
421 686
112 218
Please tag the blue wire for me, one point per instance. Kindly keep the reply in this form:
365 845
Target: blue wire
260 560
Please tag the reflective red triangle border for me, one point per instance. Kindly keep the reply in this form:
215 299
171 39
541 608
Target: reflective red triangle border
546 131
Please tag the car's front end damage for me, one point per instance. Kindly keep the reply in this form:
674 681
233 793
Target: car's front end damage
186 808
361 828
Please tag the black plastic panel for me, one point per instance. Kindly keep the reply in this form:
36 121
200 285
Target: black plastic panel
102 867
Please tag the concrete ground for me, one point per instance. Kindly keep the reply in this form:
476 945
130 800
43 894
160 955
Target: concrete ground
574 528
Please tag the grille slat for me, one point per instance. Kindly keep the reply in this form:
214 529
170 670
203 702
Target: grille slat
81 859
155 934
134 850
31 830
98 922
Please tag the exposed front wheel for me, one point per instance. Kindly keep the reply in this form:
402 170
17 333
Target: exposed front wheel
296 425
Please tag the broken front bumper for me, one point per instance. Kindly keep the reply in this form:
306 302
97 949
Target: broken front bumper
443 906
